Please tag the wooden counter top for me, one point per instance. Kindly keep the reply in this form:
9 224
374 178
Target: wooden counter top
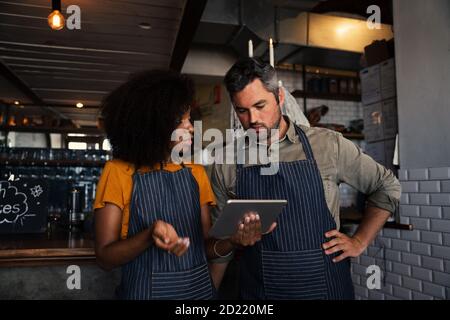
62 247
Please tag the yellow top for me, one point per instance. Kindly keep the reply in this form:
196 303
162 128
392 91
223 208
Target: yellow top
116 185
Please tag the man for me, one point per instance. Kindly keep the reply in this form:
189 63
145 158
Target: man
305 256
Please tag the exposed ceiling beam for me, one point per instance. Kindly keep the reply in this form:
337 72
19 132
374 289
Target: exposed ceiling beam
19 84
59 106
22 87
191 19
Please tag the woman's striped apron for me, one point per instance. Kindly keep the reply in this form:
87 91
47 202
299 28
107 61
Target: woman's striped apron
172 197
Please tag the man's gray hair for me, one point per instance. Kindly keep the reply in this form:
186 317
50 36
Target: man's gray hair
245 70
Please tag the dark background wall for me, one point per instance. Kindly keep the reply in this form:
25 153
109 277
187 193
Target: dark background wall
422 39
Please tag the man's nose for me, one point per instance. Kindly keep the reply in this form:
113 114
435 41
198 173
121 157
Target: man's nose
254 116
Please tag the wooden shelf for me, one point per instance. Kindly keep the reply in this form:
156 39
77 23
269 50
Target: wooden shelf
327 96
398 226
388 225
91 131
52 163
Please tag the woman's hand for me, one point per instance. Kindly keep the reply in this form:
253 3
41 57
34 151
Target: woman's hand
166 238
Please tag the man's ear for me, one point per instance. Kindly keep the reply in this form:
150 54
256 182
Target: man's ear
281 96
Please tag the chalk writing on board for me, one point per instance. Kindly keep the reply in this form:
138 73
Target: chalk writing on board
13 204
36 191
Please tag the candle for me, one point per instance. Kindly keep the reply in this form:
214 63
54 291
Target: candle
250 48
272 59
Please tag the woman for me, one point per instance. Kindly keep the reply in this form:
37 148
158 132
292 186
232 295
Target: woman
152 215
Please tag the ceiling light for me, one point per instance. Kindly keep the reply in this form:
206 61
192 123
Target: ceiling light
16 102
79 105
344 29
56 20
145 26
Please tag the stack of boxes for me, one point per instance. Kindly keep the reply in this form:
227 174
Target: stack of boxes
379 101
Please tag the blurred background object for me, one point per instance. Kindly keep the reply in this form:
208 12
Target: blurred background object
315 114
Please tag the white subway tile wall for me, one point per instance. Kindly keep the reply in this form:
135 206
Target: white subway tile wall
341 112
348 196
420 258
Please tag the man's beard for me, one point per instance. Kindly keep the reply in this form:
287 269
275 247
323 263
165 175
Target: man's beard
264 133
275 126
277 123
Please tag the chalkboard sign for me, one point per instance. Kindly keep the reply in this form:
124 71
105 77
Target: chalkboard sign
23 206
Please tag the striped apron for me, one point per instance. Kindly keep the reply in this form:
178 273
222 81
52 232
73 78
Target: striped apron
172 197
289 263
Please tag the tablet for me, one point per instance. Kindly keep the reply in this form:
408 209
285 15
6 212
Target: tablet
234 210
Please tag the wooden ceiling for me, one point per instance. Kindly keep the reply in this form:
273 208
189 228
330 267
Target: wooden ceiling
62 68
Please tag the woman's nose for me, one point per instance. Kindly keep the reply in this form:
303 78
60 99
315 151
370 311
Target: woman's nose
189 127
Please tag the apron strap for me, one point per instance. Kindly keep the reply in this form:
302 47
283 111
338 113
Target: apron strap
305 143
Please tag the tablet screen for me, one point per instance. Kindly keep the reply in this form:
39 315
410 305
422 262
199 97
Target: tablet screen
233 212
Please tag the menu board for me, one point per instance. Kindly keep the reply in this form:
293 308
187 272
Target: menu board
23 206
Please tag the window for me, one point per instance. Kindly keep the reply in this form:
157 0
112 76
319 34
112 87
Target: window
77 145
27 140
106 145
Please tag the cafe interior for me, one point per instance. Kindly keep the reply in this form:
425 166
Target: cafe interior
376 71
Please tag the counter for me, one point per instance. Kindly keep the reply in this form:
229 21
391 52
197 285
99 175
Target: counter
61 247
36 266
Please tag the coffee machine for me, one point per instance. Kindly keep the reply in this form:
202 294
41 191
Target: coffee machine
76 214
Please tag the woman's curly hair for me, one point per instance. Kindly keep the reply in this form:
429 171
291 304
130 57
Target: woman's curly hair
141 114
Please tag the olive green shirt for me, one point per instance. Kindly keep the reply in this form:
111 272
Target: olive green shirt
339 161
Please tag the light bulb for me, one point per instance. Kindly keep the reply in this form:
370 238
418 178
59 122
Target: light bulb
145 26
56 20
79 105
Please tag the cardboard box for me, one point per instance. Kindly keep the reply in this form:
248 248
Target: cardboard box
389 119
388 79
379 51
381 121
389 151
370 85
373 122
377 152
382 152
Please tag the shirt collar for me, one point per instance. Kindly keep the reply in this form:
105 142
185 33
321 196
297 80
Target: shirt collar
291 133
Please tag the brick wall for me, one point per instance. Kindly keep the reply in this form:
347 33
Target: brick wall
415 264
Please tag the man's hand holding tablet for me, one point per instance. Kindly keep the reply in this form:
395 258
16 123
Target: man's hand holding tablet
244 221
249 230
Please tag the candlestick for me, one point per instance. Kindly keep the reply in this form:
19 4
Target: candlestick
271 54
